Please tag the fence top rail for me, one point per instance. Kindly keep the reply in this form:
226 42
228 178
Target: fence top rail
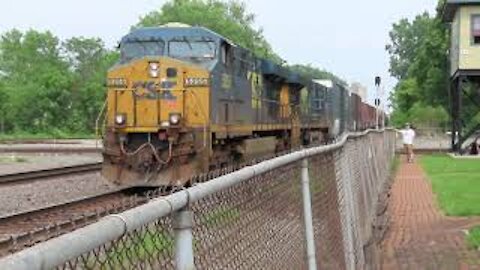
56 251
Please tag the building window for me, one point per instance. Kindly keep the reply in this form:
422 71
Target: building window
476 29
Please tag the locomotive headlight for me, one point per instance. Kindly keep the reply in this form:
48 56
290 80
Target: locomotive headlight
120 119
174 118
153 69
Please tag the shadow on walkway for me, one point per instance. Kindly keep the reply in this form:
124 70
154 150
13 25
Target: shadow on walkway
420 236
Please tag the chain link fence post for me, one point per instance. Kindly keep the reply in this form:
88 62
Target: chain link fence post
349 212
307 213
182 225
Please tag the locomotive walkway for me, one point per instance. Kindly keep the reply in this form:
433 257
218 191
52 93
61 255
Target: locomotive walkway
420 236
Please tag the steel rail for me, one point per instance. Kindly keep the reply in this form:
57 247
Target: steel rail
51 172
63 217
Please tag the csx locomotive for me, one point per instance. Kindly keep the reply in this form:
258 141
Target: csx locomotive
183 100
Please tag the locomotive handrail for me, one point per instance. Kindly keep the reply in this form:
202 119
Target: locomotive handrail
98 120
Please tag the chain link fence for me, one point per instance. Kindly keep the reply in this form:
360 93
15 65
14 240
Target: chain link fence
254 218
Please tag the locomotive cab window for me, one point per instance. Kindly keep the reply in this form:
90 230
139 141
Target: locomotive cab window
476 29
242 63
318 97
225 54
317 104
138 49
188 49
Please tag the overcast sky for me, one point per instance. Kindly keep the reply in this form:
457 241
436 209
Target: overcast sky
345 37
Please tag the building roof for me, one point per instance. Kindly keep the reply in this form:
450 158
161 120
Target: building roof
450 8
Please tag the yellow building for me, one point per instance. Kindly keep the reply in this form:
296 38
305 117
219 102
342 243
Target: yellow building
463 16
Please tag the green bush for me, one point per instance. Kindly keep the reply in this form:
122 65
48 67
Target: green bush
473 238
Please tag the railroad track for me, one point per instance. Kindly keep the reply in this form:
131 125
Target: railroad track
50 146
25 229
42 141
45 173
49 149
22 230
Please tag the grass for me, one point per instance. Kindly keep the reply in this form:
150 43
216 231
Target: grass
473 238
12 159
456 183
43 136
137 247
153 243
221 216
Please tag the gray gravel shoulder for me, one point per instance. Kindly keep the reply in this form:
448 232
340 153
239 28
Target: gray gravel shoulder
12 163
48 192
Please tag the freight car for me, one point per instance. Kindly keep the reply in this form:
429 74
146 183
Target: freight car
184 100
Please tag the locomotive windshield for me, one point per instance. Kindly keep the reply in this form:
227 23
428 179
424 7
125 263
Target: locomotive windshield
198 50
139 49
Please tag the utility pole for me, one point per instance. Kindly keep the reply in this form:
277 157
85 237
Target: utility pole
378 82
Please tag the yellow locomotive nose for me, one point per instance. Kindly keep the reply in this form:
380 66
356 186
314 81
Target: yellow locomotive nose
158 93
155 105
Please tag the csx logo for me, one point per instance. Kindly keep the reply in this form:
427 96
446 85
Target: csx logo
154 90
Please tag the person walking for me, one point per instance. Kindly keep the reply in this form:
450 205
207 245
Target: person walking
408 135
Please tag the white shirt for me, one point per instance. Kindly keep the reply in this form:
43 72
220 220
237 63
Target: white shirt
407 135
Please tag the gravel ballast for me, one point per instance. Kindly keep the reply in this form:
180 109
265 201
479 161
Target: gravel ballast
48 192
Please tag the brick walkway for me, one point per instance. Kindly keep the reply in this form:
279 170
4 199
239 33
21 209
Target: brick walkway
420 236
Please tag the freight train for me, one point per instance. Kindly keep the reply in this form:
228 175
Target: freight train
184 100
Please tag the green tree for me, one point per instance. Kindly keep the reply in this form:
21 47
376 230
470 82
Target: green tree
51 87
418 52
430 66
428 116
405 94
421 116
229 19
405 39
36 80
311 71
3 105
89 61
